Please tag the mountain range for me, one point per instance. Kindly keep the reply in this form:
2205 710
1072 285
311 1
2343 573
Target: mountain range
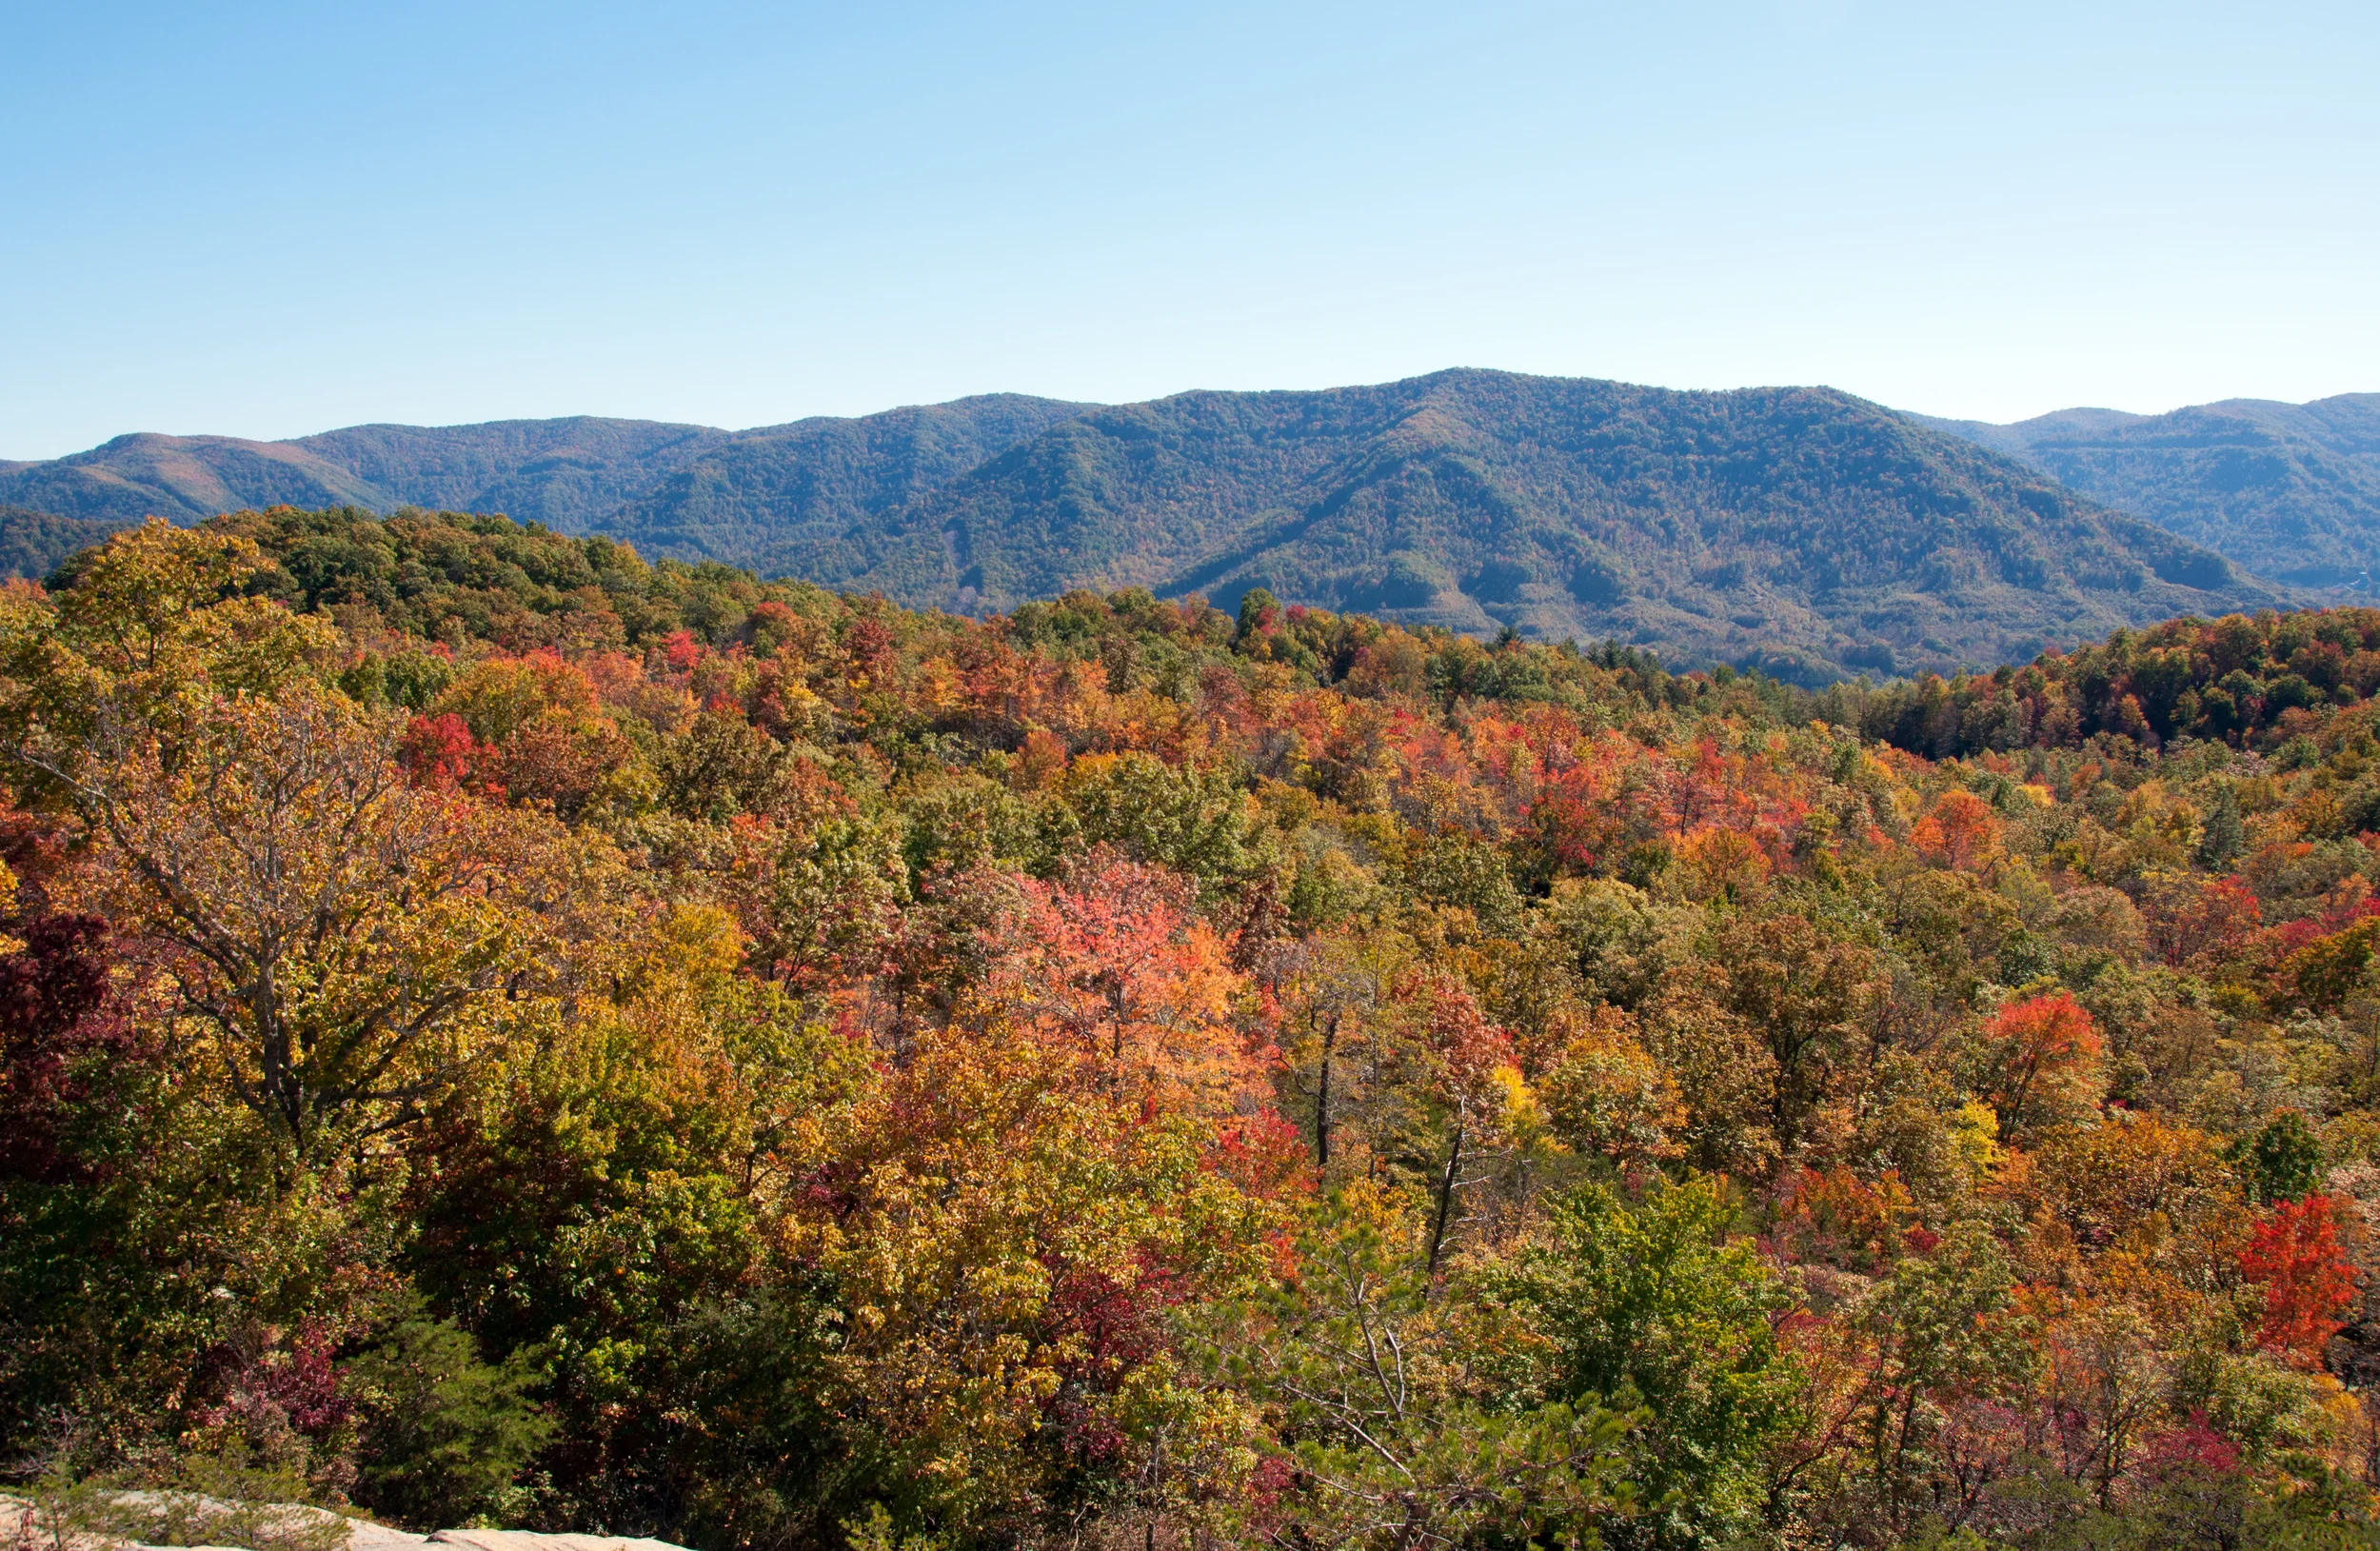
2288 490
1801 530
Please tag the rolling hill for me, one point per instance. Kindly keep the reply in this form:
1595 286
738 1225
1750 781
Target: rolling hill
1803 530
2289 490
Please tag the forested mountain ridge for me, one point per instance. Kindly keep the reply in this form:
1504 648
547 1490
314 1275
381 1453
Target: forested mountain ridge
1802 530
561 472
1798 527
493 1027
572 474
564 473
181 478
2288 490
765 499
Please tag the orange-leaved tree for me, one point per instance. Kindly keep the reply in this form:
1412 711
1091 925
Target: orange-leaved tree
2046 1065
1113 966
1961 831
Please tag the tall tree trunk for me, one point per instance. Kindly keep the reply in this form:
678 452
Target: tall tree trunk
1446 1195
1322 1097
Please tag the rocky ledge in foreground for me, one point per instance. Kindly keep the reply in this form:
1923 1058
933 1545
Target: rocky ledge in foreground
147 1521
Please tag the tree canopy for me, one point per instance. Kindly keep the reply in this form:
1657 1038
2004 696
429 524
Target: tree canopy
493 1027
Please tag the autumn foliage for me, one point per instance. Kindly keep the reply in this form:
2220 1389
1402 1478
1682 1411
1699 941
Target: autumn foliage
2293 1258
525 1035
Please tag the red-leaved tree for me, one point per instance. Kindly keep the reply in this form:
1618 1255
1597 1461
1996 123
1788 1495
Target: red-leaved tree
2294 1257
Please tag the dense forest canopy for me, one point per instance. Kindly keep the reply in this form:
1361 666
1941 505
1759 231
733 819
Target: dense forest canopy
33 542
494 1029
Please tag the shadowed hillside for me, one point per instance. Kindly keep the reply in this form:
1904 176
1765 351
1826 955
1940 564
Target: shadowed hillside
33 543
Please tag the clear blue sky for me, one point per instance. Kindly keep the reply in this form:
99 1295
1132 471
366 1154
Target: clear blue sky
268 220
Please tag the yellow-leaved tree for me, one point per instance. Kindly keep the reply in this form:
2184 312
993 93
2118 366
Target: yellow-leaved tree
339 942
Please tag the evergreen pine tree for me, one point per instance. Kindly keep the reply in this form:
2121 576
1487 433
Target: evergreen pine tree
2222 836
